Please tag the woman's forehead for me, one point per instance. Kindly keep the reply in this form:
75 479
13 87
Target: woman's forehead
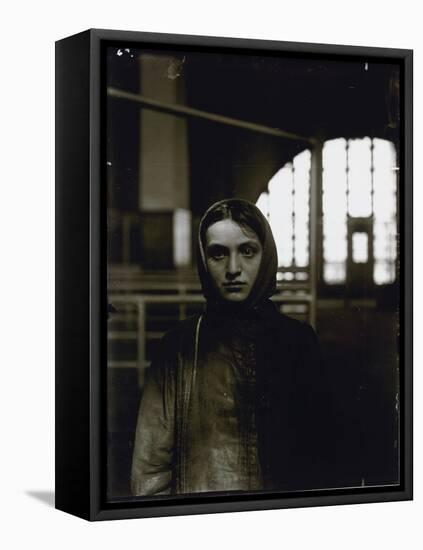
230 233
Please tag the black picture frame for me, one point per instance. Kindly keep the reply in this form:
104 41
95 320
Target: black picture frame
81 295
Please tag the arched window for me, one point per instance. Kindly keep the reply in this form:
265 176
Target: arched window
359 184
286 206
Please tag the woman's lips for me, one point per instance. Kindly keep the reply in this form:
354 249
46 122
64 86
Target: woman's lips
234 287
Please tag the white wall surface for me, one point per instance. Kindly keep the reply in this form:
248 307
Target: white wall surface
28 32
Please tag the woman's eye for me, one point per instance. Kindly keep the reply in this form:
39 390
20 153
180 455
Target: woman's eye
216 254
248 251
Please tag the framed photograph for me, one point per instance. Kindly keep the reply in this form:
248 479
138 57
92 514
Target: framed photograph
233 274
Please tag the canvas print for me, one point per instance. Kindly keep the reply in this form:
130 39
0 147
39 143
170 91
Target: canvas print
253 261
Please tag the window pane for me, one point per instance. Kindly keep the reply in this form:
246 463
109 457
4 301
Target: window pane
384 272
301 207
280 213
334 200
263 204
360 251
334 273
384 211
359 177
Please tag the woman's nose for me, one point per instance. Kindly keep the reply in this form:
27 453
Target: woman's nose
233 266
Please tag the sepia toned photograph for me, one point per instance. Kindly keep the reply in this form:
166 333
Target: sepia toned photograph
253 272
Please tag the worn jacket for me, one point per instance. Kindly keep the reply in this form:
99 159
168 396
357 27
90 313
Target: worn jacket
289 430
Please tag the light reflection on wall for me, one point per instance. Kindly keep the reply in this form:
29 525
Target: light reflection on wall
181 237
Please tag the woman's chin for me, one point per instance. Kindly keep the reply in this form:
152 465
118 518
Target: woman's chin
235 296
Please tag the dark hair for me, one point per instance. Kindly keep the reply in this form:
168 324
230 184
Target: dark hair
241 212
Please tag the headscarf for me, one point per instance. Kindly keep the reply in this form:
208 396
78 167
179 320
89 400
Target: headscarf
265 283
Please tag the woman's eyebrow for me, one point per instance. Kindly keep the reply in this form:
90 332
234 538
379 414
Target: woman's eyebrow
250 242
247 242
212 246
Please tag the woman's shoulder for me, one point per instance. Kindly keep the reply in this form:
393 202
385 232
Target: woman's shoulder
294 325
290 325
293 334
181 331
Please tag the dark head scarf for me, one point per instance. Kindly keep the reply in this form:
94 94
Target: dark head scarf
245 214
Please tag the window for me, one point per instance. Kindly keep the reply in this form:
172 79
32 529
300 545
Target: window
334 182
360 248
384 211
359 180
286 206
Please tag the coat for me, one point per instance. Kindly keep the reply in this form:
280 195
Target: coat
182 445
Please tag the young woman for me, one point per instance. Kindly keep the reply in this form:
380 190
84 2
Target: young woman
236 399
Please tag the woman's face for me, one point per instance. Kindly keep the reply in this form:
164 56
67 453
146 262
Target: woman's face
233 256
